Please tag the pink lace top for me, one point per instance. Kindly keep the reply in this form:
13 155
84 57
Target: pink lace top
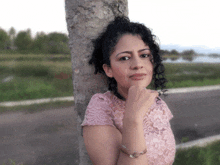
107 109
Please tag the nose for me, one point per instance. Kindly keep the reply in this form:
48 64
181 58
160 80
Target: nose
136 63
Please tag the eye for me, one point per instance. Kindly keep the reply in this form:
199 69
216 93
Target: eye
146 55
124 58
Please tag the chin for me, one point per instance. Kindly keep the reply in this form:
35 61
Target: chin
140 84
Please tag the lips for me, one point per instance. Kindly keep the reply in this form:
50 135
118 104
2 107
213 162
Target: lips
138 75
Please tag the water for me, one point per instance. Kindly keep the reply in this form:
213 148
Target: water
196 59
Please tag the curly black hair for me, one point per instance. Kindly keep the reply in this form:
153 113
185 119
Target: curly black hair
105 43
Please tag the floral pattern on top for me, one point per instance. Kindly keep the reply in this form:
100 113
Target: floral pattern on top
107 109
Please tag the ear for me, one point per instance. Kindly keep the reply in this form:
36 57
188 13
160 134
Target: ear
108 70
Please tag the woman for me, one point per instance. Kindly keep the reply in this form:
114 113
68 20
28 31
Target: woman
129 124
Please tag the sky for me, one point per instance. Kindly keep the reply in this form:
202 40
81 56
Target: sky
178 24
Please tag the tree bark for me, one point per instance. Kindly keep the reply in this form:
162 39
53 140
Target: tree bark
85 20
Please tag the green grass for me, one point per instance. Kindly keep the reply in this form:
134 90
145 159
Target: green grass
35 57
209 155
17 67
191 83
25 88
189 75
34 79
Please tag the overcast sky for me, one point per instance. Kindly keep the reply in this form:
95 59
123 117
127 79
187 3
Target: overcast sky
175 22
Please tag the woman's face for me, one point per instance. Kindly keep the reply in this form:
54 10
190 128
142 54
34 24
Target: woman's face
130 63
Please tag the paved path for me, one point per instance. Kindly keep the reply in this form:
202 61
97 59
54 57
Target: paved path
44 138
50 138
196 114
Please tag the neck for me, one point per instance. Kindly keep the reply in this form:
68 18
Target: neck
123 92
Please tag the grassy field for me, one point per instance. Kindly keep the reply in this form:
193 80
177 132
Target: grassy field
209 155
32 79
41 76
189 75
34 57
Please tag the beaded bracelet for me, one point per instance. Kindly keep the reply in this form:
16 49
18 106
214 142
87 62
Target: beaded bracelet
134 155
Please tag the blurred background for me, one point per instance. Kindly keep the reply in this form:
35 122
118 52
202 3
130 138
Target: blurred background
34 45
35 60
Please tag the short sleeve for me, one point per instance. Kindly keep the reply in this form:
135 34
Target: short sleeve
98 111
166 110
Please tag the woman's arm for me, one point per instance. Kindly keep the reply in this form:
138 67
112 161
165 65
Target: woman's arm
103 144
133 139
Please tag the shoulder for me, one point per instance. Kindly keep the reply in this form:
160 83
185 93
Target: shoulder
98 111
161 104
100 98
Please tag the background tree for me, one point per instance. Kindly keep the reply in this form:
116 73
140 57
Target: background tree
4 39
174 52
53 43
215 55
40 43
24 41
164 52
12 35
85 20
57 43
188 52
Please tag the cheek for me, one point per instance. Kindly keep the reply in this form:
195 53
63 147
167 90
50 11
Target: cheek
150 69
120 71
150 72
121 75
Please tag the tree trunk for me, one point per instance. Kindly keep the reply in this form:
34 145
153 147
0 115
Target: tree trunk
85 20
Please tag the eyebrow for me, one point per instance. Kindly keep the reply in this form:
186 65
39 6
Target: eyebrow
130 52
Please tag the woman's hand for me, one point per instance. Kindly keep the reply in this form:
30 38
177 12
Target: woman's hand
138 102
